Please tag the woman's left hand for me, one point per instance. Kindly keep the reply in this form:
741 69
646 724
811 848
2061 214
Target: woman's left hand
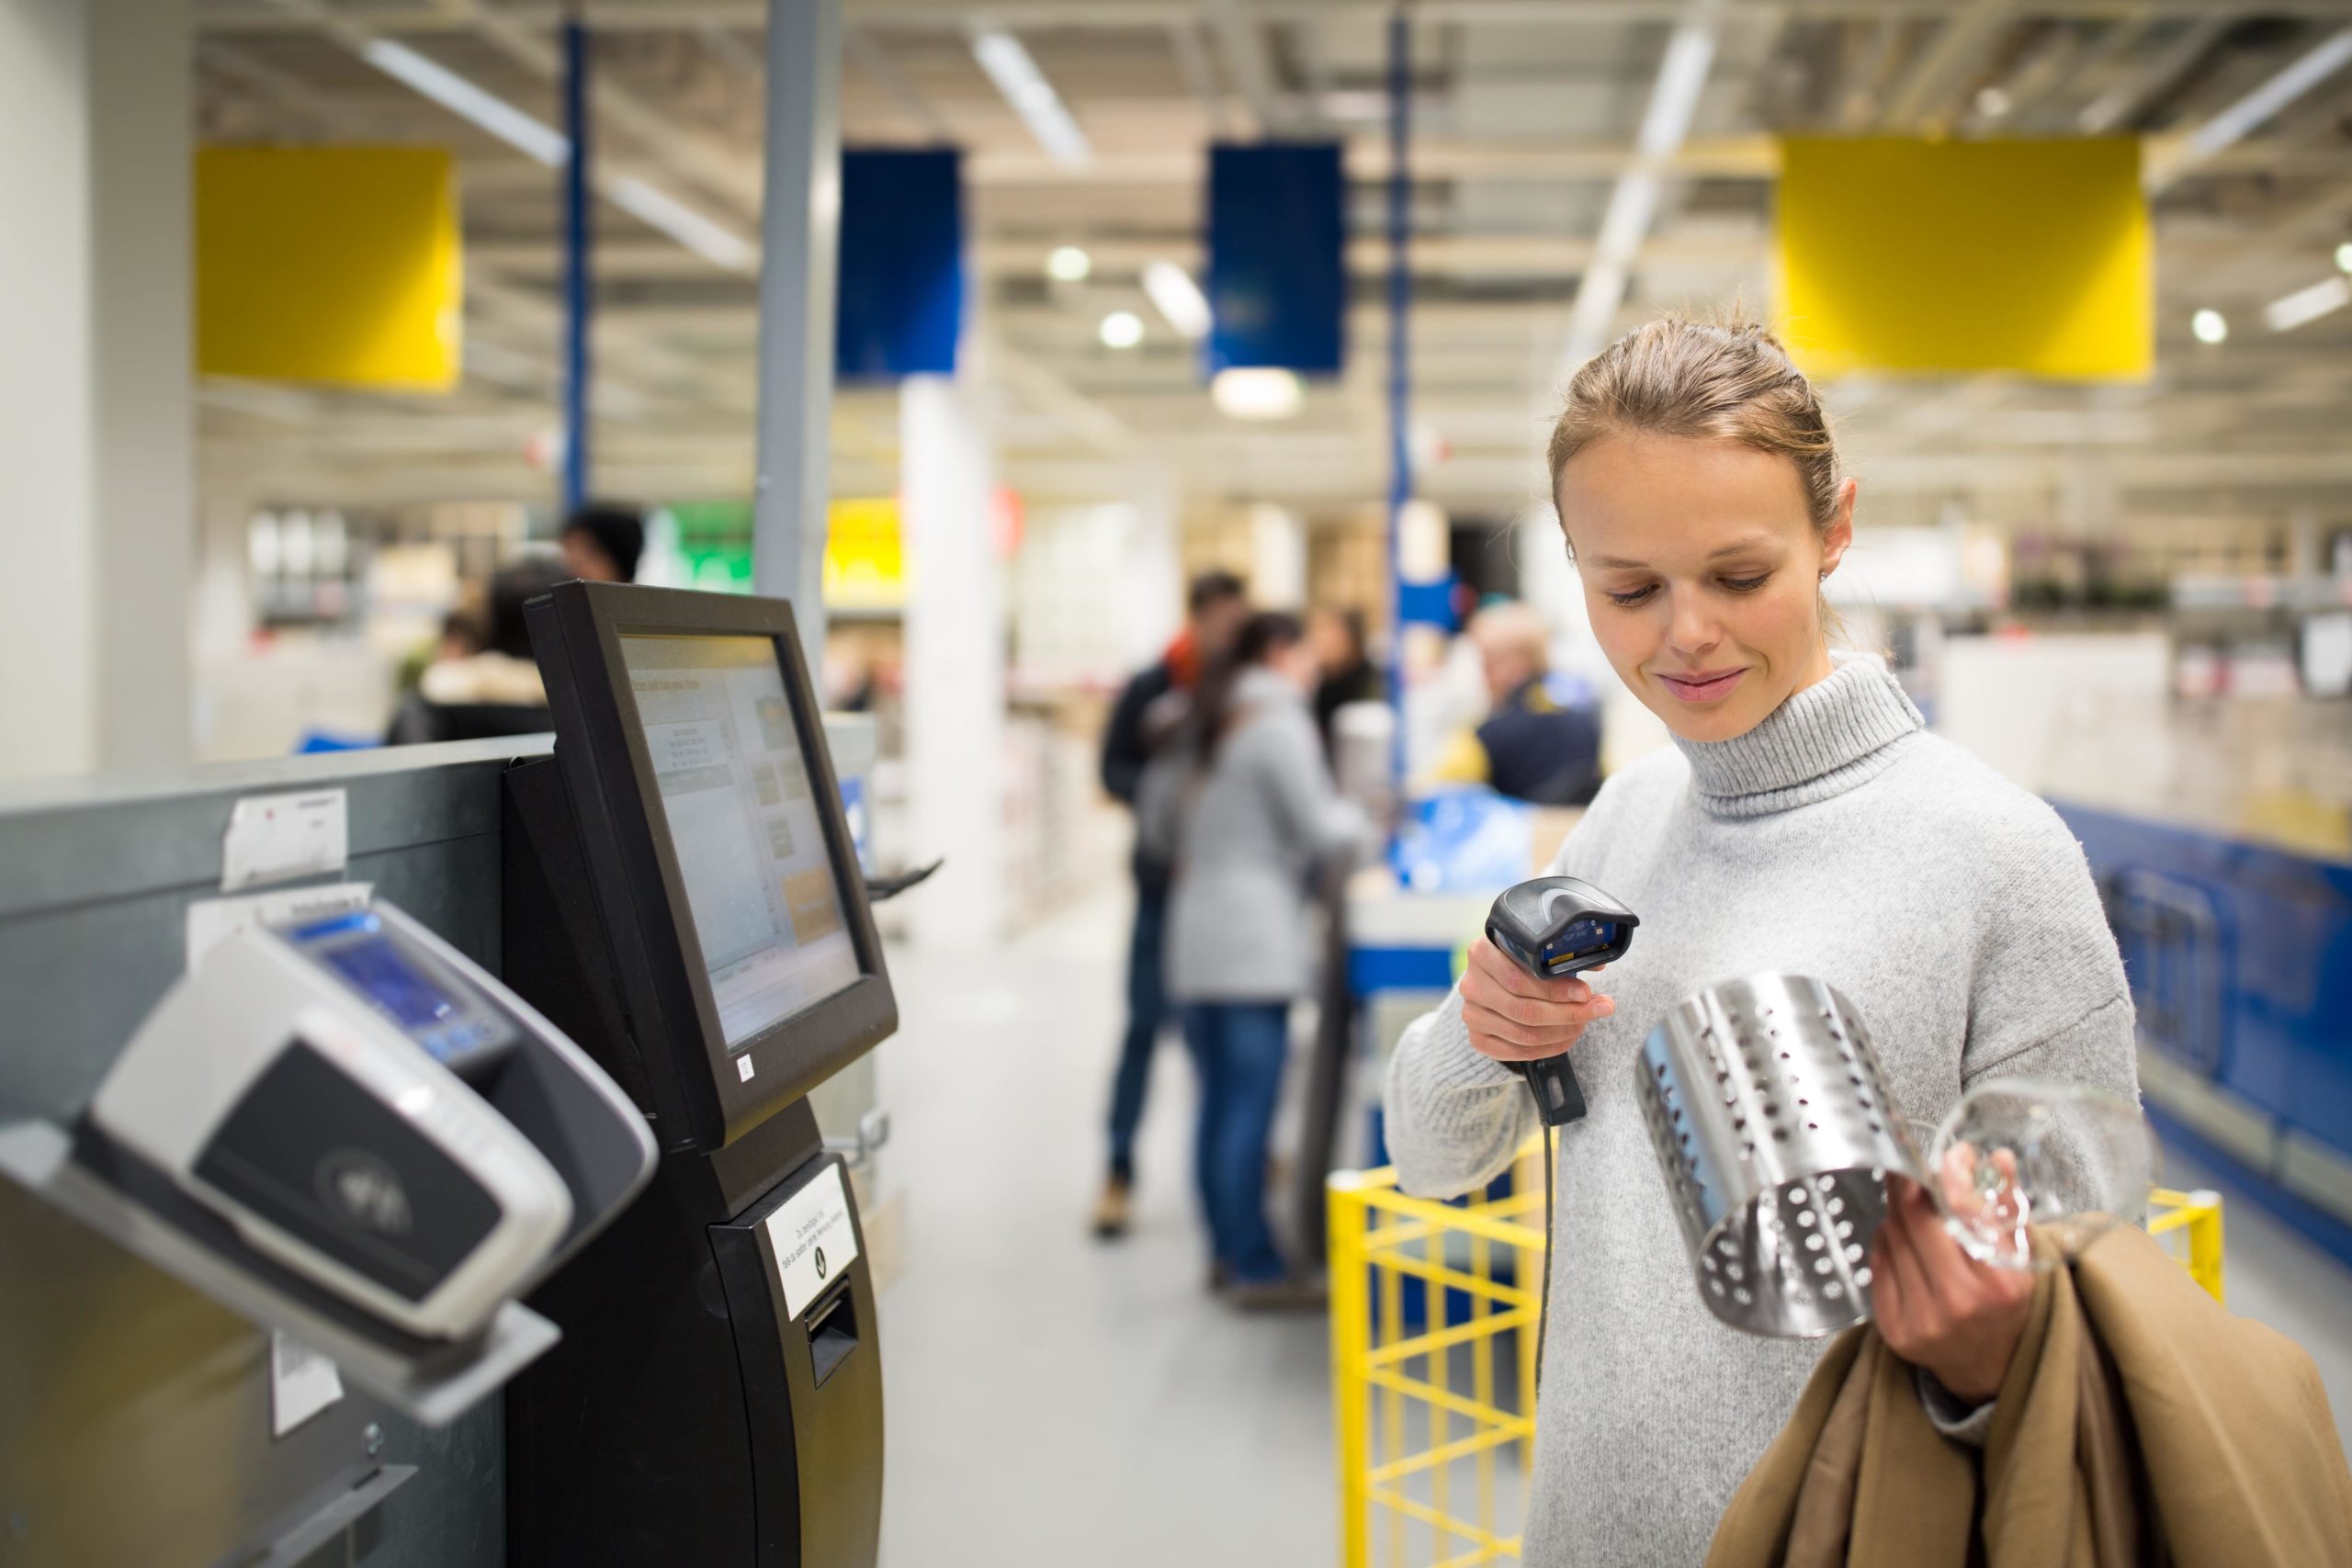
1938 1308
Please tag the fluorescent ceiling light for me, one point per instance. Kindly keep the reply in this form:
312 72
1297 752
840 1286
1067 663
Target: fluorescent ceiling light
1178 298
1675 99
2344 256
1257 392
1666 122
1122 329
462 99
710 241
2209 326
2233 123
1032 96
1068 264
2284 315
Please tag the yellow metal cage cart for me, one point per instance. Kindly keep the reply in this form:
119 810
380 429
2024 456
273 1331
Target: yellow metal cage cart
1433 1310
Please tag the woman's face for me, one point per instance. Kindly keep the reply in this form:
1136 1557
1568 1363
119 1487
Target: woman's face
1703 571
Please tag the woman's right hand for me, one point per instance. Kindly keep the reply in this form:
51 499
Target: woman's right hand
1514 1016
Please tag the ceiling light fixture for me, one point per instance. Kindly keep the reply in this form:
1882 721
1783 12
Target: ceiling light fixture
468 102
1665 124
1178 298
2305 305
1257 391
1032 96
2209 326
2344 256
712 241
2233 123
704 236
1122 329
1067 264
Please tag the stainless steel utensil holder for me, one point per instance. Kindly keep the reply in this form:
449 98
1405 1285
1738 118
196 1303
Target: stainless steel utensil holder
1775 1132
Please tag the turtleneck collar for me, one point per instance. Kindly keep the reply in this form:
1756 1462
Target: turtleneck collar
1837 733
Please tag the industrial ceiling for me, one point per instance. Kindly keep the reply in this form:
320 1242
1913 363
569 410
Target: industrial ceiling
1526 116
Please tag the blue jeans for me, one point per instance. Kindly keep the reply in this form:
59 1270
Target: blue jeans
1239 1048
1146 1011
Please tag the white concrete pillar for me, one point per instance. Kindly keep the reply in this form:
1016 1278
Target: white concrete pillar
955 664
96 519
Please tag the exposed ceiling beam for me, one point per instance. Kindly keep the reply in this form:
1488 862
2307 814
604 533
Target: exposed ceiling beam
1922 98
862 51
2120 105
665 16
1200 76
1249 63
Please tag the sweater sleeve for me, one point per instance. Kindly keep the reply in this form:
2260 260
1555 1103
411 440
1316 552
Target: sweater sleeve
2048 999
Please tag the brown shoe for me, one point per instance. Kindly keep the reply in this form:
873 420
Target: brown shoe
1290 1294
1110 1210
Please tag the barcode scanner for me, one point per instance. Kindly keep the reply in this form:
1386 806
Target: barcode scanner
1551 927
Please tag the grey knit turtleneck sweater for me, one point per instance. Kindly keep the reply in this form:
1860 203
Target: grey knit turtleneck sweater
1837 840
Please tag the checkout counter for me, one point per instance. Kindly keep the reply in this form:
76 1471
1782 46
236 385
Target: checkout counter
567 1007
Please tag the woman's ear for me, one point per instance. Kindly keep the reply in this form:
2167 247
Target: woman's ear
1841 532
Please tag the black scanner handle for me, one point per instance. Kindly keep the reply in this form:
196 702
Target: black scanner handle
1551 927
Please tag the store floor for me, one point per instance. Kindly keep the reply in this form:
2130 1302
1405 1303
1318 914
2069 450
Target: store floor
1052 1401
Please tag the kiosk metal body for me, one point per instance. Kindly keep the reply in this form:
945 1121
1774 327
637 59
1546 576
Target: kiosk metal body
717 1398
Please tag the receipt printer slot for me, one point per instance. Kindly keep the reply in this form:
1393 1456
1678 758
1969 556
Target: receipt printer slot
832 1332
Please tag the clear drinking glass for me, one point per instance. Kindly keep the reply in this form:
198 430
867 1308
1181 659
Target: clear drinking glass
2069 1158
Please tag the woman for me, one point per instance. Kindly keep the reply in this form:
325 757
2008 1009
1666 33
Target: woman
1803 821
1247 819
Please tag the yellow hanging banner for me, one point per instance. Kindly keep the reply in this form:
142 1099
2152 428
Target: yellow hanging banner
1910 255
865 566
336 265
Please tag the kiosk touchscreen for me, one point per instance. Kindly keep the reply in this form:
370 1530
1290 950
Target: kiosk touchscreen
682 894
720 856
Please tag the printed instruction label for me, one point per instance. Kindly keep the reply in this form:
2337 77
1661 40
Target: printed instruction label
301 1383
813 1239
211 921
743 1066
274 837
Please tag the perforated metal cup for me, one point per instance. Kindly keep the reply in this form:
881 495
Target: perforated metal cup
1775 1133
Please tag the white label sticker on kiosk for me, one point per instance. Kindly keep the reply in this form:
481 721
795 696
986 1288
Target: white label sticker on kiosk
813 1239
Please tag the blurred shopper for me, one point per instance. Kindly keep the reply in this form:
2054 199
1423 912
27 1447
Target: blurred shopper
1148 713
495 692
1253 816
1346 674
1534 744
1805 821
603 542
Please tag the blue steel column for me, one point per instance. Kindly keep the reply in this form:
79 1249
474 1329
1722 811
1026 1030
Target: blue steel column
1400 280
575 266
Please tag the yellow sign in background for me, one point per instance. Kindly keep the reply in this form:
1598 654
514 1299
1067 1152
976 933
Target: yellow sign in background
1902 254
865 567
329 263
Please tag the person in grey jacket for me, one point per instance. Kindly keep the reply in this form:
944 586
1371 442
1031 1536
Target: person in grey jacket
1803 821
1245 820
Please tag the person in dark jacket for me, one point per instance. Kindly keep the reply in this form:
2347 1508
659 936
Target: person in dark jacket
1148 712
1537 743
493 692
1346 674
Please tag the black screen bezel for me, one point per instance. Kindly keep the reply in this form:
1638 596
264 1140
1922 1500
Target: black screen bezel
657 961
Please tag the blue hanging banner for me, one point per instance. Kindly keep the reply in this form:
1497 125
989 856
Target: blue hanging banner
899 289
1277 240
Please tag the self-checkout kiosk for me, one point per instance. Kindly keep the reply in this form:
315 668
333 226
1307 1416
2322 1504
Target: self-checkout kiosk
684 899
